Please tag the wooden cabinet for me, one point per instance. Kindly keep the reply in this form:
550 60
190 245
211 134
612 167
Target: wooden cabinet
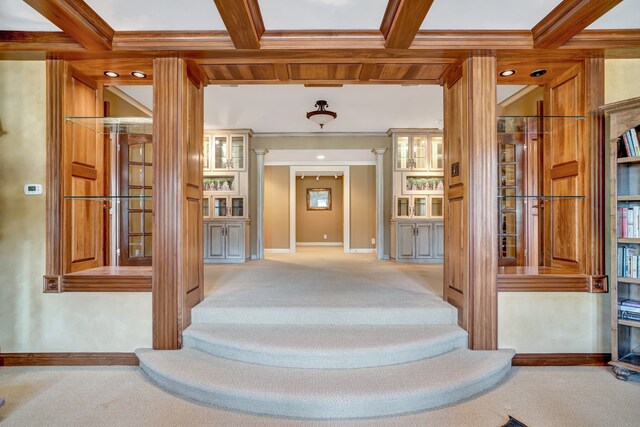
417 151
224 207
226 151
226 241
417 241
625 240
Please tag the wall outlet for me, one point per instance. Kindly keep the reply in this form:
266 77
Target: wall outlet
373 241
325 237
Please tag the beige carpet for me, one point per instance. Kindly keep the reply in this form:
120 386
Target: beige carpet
123 396
323 265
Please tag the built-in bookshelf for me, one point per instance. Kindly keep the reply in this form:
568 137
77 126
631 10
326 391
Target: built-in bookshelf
624 134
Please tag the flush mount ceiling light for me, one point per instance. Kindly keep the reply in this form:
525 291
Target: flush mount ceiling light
538 73
139 74
321 116
507 73
111 74
320 157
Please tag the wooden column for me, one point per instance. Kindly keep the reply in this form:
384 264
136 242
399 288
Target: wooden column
260 202
471 261
177 199
379 152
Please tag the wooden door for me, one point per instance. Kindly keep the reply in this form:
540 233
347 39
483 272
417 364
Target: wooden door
424 236
511 140
136 175
406 241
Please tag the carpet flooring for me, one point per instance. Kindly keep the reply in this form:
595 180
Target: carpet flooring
124 396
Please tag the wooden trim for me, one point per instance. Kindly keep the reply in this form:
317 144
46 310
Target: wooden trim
78 20
243 21
561 359
543 283
402 20
37 40
108 279
568 19
68 359
616 107
174 40
564 170
604 39
473 39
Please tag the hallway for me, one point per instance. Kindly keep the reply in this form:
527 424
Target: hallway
347 275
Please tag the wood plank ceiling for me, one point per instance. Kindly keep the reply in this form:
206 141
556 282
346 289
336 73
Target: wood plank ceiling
398 53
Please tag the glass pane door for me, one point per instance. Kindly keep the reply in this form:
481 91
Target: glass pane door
402 152
402 207
419 148
436 209
220 153
237 152
206 207
206 154
219 207
419 206
437 159
237 207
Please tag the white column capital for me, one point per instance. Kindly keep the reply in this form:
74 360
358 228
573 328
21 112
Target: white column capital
260 151
379 151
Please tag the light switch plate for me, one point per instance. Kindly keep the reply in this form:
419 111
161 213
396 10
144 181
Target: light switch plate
32 189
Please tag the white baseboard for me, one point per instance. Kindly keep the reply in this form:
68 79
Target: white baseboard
277 251
363 251
319 244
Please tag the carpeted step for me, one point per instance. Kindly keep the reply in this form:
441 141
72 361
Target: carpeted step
326 393
419 311
324 346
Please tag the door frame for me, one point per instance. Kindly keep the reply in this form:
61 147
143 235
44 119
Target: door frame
346 202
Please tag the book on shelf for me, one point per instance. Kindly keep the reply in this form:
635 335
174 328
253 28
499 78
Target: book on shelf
626 315
633 134
629 143
627 309
628 262
630 303
628 222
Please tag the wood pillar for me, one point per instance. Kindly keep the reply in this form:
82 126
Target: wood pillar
178 269
260 153
471 261
379 152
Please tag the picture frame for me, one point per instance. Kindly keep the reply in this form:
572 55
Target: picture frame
318 199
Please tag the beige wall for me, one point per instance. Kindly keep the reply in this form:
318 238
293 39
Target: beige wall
31 321
276 207
312 225
621 79
525 106
363 206
314 142
120 107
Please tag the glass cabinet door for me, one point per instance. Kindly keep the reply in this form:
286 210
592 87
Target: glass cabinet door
437 159
237 207
220 152
403 206
237 161
419 152
419 206
206 207
206 154
402 152
436 208
219 207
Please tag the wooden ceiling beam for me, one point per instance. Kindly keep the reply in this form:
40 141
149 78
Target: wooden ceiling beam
37 41
402 20
78 20
243 21
567 20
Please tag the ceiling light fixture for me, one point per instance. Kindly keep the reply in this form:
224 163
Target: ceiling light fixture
302 177
507 73
320 157
318 178
111 74
321 116
335 176
139 74
538 73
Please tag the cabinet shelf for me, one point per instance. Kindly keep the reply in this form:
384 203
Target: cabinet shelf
103 125
633 159
540 197
626 322
628 240
100 198
629 280
633 198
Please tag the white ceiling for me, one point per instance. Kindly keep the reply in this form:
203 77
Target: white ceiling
16 15
322 14
131 15
283 108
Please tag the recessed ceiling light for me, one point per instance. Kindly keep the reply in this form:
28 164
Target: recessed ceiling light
139 74
111 74
320 157
538 73
507 73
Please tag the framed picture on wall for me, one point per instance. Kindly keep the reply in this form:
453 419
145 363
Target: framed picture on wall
318 199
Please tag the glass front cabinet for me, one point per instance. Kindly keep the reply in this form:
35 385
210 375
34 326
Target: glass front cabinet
225 152
417 152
